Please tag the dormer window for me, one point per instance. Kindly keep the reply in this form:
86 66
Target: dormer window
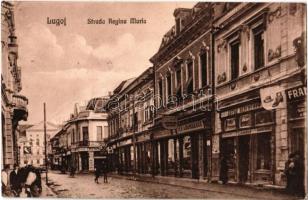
178 25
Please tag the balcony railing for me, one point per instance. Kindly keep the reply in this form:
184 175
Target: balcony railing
20 101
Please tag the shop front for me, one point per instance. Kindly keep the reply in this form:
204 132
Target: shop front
184 151
125 156
248 143
296 103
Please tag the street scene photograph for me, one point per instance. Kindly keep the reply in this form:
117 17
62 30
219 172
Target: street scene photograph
144 100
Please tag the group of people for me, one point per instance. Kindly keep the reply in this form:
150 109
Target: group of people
21 182
101 169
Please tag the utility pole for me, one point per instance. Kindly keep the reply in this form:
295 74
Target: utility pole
45 143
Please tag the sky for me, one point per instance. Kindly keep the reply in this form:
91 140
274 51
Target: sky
64 65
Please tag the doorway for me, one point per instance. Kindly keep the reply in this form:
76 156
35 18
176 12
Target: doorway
84 161
243 158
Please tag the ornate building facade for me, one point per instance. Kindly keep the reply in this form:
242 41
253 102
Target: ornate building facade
13 104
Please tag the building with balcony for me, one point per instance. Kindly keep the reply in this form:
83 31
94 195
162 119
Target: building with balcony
130 114
80 143
13 104
260 90
31 143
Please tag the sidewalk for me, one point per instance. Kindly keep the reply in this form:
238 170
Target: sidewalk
245 191
47 191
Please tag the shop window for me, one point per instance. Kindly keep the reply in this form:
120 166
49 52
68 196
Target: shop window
230 124
258 34
264 117
245 120
264 151
235 59
37 142
171 159
187 157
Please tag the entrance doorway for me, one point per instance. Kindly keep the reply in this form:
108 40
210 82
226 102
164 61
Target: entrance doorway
84 161
243 158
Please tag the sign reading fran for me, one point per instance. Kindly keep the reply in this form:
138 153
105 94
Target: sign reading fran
169 122
296 93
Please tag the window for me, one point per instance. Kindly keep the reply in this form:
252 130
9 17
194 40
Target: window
73 136
99 133
264 117
178 84
203 64
85 133
264 151
235 47
37 142
37 161
189 84
105 132
258 47
178 25
160 88
169 85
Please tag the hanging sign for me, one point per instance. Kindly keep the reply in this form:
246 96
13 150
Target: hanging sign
273 97
169 122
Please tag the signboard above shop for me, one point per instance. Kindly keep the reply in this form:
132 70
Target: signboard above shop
296 93
169 122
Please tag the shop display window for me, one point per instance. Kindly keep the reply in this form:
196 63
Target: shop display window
171 159
264 117
230 124
187 156
245 120
264 151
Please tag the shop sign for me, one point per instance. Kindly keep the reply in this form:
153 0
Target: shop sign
126 142
169 122
230 124
296 93
242 109
192 126
143 138
247 132
273 97
162 133
245 120
83 149
298 110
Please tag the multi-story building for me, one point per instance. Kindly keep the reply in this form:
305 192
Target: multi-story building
261 89
184 95
130 114
31 143
81 141
13 104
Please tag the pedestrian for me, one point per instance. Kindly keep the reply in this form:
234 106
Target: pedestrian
73 171
224 169
105 172
15 181
5 181
97 174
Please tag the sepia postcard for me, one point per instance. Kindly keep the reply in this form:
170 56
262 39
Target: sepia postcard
194 100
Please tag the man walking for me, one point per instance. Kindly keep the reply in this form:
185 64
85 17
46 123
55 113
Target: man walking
97 174
15 181
105 171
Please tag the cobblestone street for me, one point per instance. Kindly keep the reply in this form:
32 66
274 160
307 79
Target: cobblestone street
83 186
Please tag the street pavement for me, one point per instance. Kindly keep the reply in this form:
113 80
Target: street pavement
83 186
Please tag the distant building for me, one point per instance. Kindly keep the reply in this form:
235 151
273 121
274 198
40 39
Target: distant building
13 104
32 143
81 140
